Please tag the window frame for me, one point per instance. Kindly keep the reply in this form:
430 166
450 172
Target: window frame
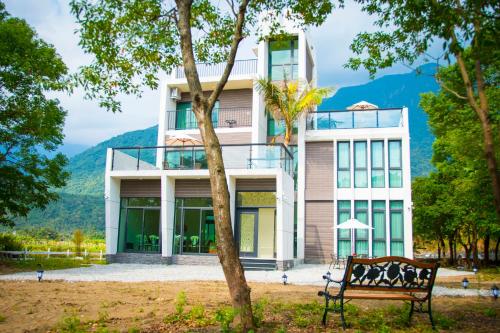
383 211
382 168
401 211
348 169
355 167
393 168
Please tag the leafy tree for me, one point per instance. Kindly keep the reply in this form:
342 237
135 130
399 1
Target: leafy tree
31 125
455 202
287 101
466 29
133 41
78 240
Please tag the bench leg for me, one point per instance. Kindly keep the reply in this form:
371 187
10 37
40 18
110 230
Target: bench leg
342 313
412 306
326 311
430 314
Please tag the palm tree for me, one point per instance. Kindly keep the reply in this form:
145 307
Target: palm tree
287 101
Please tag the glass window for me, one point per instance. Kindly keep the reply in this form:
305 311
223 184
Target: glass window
343 165
395 164
256 199
397 228
360 164
283 59
185 118
344 235
139 225
361 214
377 159
378 224
194 226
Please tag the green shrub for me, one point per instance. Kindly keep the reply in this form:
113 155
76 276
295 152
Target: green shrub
2 319
71 324
9 242
258 308
180 303
490 312
225 317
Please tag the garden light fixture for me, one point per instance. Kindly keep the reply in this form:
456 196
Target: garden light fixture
494 291
328 274
474 269
465 283
285 279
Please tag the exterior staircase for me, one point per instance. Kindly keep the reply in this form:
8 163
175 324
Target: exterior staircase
254 264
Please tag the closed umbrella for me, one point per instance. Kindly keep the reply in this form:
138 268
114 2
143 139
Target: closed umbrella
352 224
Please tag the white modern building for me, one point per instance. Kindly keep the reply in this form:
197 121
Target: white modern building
285 201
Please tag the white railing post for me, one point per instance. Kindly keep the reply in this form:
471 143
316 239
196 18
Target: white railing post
85 253
100 255
25 253
48 252
67 253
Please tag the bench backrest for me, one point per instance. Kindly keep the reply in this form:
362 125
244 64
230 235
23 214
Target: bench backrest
389 274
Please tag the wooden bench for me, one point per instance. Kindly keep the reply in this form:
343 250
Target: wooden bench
385 278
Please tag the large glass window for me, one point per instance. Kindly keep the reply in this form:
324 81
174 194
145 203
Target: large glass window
139 226
344 235
397 228
185 118
194 226
185 158
395 164
377 159
378 224
361 214
283 59
360 164
343 165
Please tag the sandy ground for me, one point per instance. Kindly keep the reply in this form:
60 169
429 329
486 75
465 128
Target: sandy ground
29 306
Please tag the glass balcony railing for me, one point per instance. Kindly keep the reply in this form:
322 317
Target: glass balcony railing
221 118
380 118
236 156
241 67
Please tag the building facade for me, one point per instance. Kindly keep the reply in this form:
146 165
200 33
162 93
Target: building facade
285 201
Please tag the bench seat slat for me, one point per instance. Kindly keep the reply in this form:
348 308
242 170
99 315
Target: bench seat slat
381 296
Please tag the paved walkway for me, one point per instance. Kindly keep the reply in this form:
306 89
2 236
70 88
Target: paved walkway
302 275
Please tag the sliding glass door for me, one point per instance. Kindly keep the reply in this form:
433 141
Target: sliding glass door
142 230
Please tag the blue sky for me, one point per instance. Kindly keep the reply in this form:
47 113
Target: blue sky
87 124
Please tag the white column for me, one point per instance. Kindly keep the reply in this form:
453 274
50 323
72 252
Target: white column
167 215
407 213
259 119
231 186
284 216
111 206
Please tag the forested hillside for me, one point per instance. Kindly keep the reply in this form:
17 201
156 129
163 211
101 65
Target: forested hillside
82 200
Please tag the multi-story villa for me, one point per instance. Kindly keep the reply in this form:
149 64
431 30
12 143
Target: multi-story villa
285 201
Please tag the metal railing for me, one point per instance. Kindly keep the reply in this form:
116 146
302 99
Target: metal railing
221 118
235 156
380 118
241 67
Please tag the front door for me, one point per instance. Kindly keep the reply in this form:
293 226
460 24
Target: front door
248 232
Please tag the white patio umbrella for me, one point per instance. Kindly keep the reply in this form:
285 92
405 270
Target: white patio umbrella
181 140
352 224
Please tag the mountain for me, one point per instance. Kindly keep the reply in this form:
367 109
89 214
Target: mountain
82 204
397 91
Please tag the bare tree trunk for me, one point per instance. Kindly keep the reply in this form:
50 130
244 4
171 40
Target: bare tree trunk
496 250
450 246
475 256
202 108
439 250
486 248
482 111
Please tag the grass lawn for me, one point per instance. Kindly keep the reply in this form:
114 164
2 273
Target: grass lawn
55 306
8 266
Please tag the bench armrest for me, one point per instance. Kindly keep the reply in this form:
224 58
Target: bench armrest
331 280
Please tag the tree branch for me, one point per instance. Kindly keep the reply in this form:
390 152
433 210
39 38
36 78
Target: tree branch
445 87
230 3
238 29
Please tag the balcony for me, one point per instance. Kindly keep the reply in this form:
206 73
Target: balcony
221 118
380 118
236 156
241 67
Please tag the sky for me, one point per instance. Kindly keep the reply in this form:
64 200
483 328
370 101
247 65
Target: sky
87 124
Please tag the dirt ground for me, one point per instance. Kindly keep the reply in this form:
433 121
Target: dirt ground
42 307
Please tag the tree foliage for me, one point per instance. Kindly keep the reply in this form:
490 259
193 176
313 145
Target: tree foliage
455 202
31 124
468 31
287 101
